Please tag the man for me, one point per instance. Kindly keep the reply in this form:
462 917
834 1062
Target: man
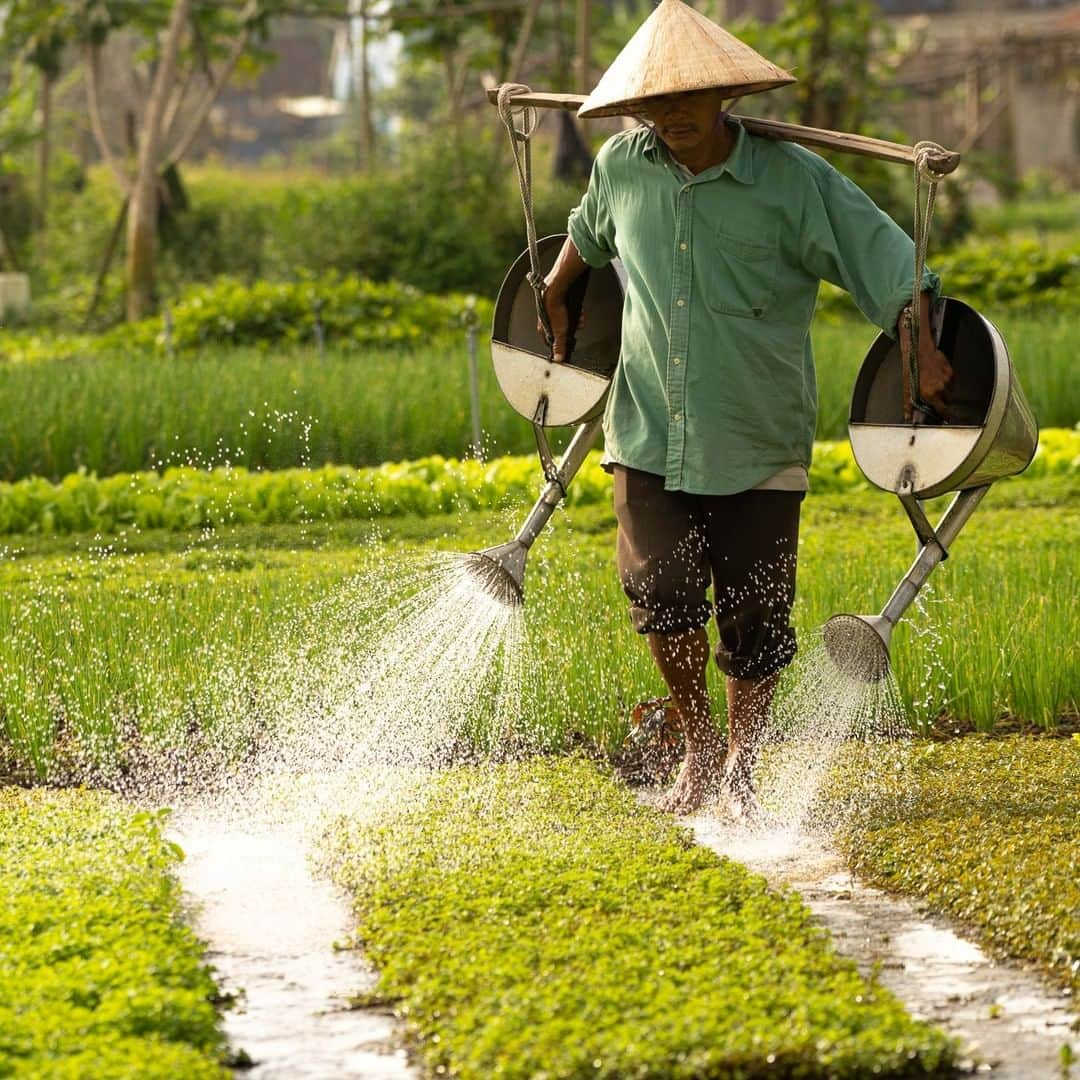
709 425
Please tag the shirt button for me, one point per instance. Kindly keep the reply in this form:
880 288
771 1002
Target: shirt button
682 246
680 302
676 360
677 417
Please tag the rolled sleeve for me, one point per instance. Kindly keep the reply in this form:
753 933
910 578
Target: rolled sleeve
590 225
848 240
901 297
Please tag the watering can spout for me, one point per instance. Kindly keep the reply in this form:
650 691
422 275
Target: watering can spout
500 570
859 644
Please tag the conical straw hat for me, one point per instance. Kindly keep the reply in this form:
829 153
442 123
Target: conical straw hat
675 50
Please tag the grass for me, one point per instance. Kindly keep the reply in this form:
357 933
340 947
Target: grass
120 413
981 829
1051 220
99 976
164 632
533 920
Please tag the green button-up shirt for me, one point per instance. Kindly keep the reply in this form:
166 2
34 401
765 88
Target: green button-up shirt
715 387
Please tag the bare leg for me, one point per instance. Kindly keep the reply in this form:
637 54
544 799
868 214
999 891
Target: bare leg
748 702
682 660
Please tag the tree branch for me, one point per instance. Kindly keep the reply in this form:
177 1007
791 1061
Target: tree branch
213 91
176 103
206 103
522 45
97 126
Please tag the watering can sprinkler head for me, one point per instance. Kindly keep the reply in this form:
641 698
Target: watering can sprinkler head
991 433
859 645
500 571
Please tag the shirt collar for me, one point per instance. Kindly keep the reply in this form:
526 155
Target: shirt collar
739 163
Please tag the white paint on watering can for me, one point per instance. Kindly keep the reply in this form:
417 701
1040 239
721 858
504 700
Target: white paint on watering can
271 928
1012 1024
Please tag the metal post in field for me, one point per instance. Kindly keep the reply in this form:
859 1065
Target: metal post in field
470 318
319 329
167 330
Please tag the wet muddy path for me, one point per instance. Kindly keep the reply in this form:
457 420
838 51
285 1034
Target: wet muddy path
1012 1023
271 929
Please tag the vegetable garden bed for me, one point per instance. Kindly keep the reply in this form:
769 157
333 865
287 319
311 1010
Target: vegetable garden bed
982 829
99 975
149 622
533 920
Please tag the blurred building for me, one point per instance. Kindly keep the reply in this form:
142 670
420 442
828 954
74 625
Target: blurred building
290 100
1001 77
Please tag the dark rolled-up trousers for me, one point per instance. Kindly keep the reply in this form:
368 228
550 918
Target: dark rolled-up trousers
673 545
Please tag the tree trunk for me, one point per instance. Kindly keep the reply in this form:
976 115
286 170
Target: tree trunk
143 208
367 123
581 61
521 46
453 104
573 159
44 147
92 70
815 105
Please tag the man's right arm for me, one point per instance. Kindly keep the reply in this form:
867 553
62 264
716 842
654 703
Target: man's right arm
569 266
591 242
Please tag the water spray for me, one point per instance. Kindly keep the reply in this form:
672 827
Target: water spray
991 433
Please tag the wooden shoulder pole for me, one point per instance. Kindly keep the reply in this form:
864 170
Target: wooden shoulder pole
845 142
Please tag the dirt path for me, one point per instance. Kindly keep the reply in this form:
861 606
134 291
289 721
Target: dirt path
1009 1019
271 930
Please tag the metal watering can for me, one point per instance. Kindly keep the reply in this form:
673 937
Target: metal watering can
570 393
991 433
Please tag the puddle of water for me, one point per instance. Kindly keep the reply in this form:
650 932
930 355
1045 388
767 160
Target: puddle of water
271 929
1010 1021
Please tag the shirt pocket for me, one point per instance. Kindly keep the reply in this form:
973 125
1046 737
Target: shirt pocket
744 280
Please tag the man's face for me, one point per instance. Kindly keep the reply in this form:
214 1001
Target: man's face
684 121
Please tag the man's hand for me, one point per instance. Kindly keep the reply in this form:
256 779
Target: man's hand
935 371
569 266
558 320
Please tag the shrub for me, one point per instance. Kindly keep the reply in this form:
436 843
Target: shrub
351 309
993 276
446 218
186 498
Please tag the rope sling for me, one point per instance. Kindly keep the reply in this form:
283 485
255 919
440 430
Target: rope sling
521 145
925 174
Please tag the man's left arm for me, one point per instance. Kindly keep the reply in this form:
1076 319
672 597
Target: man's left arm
848 240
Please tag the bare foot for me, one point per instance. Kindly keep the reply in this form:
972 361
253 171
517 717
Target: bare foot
739 780
700 776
